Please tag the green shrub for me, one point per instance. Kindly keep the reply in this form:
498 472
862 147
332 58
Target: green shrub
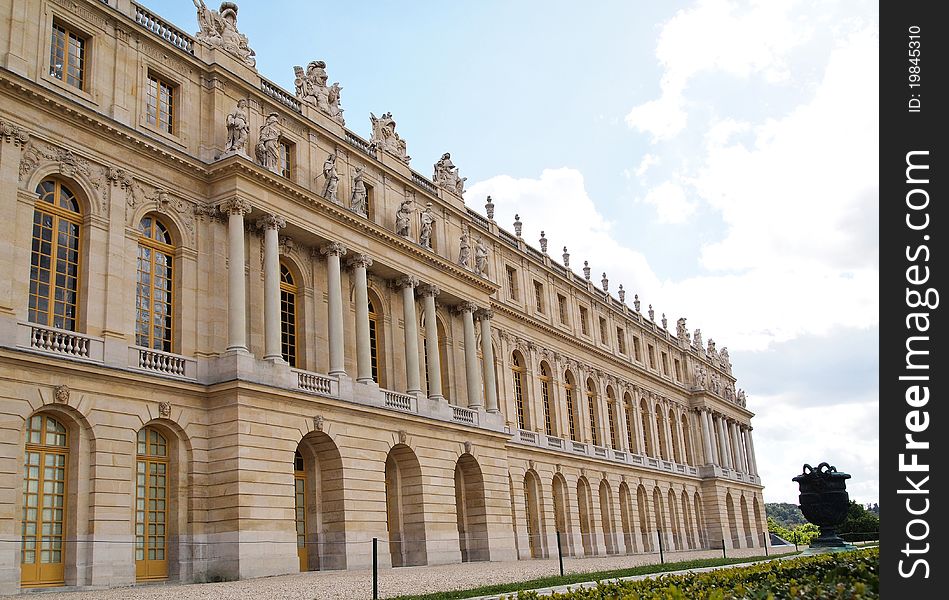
844 576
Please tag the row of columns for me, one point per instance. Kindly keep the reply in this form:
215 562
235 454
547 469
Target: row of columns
733 448
236 208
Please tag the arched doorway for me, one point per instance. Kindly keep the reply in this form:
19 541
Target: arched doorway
689 521
533 514
746 523
674 522
658 509
606 517
561 514
732 521
584 505
470 510
152 504
318 503
648 536
762 527
405 512
377 340
626 516
700 520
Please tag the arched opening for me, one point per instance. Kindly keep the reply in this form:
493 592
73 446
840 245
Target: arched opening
611 417
152 504
689 522
630 423
573 416
659 516
405 509
746 522
510 482
591 406
626 517
676 453
642 502
55 260
606 517
518 370
318 502
536 536
154 294
689 457
700 520
674 522
470 510
288 315
649 448
584 505
561 514
550 425
377 340
46 508
762 527
732 521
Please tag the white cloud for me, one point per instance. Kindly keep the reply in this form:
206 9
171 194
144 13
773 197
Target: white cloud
716 35
672 206
649 160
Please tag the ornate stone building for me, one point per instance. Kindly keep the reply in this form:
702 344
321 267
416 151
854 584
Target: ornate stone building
238 339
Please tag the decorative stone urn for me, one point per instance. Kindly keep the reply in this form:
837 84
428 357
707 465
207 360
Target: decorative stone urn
824 502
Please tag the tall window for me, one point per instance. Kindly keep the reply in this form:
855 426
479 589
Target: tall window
637 350
662 442
517 366
286 158
604 334
678 369
67 55
651 350
54 262
288 316
584 321
665 363
644 419
44 502
151 505
511 283
611 408
571 406
299 505
591 405
153 292
545 396
160 103
539 296
621 340
375 329
630 423
562 305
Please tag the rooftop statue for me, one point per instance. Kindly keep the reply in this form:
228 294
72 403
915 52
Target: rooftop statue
385 137
311 86
219 30
446 175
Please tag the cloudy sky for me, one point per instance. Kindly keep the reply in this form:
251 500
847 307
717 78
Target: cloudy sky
717 158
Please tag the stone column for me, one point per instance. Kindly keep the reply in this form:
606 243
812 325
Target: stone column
723 444
736 447
358 263
412 380
706 437
235 209
487 361
751 452
472 377
271 226
334 306
740 442
622 427
428 293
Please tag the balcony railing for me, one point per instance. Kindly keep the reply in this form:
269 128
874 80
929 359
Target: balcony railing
280 95
483 222
315 383
398 400
424 183
507 237
60 342
163 363
163 30
578 447
360 144
555 442
527 436
599 451
464 415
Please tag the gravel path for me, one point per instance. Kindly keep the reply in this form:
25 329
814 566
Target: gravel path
357 584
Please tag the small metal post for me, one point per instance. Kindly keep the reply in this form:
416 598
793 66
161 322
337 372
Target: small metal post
661 558
723 549
375 568
560 553
766 536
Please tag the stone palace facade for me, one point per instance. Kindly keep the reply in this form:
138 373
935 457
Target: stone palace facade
238 339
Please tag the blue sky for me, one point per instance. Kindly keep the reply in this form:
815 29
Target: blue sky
718 158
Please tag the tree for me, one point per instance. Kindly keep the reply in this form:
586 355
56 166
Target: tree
786 514
859 520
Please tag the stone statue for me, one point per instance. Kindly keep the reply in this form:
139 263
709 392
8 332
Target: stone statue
697 339
446 175
681 332
566 257
481 258
428 221
700 376
543 242
605 283
403 218
385 137
464 250
726 363
489 209
311 87
621 293
652 313
636 303
268 147
237 128
219 30
713 353
331 184
586 270
741 400
360 200
665 321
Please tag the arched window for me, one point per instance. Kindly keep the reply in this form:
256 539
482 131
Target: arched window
591 405
630 421
571 406
153 293
288 316
376 344
662 442
55 261
518 369
299 505
44 502
644 419
545 396
676 453
151 505
611 416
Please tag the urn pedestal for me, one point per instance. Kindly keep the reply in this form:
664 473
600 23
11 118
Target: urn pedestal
824 502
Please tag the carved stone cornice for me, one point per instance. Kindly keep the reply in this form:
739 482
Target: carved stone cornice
333 249
271 222
235 206
359 261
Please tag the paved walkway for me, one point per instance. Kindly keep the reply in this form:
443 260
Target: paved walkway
357 584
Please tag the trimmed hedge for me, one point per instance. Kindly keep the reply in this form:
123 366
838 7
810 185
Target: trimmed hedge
844 576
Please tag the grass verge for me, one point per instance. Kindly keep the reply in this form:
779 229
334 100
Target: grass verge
570 578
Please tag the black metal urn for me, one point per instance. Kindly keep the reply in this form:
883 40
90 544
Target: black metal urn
824 502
